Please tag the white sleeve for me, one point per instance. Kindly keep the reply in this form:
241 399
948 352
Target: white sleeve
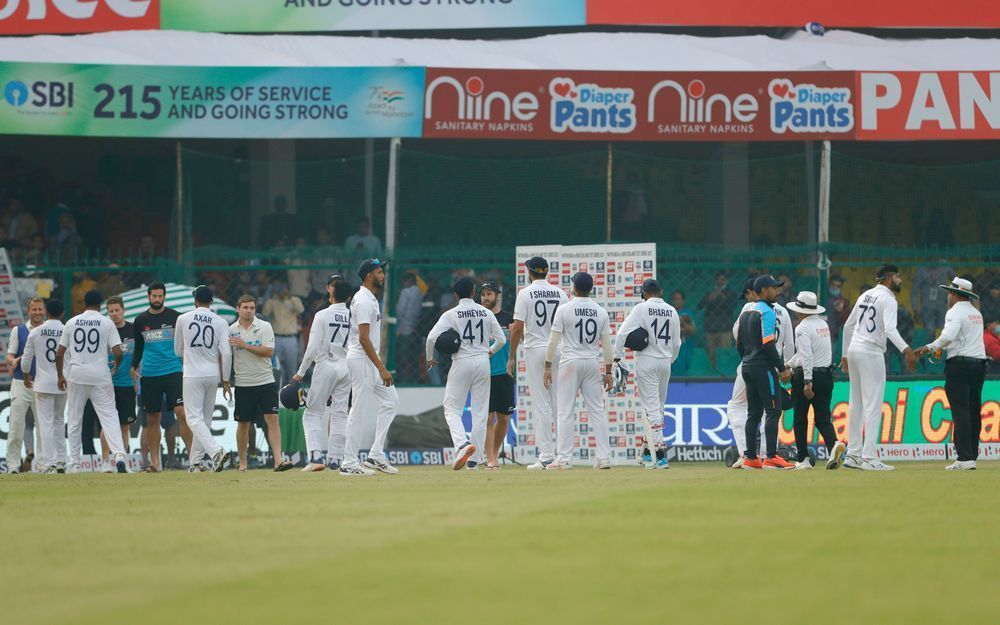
179 338
521 306
804 345
675 335
890 320
225 350
606 338
631 323
852 320
29 354
550 351
787 337
13 342
496 333
557 320
113 338
736 325
64 339
312 345
443 323
948 334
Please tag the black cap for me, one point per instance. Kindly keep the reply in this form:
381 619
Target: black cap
203 295
371 265
583 281
764 281
489 285
92 298
884 271
464 287
649 284
537 264
336 277
747 286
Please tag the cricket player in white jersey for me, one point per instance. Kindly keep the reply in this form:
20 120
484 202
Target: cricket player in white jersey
21 397
331 382
201 340
578 325
370 380
83 358
534 311
481 337
50 392
662 325
736 409
872 320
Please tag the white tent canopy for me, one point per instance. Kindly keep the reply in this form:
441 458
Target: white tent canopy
838 50
179 297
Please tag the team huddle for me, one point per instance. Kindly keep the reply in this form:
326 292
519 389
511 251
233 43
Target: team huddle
178 361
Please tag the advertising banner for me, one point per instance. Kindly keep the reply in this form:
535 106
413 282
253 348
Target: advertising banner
843 13
31 17
638 106
326 15
210 102
618 272
11 314
928 105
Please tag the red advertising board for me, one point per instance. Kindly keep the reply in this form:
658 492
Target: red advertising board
928 105
30 17
638 106
841 13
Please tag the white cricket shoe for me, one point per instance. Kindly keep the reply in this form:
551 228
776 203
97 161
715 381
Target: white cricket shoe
555 465
121 464
852 462
738 464
381 466
961 465
802 465
605 463
539 465
462 456
313 467
106 466
877 465
836 456
355 471
73 468
219 460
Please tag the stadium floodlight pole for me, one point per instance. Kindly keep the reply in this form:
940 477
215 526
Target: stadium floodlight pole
823 237
180 203
391 197
607 218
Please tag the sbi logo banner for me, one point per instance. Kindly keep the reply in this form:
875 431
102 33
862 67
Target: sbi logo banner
42 93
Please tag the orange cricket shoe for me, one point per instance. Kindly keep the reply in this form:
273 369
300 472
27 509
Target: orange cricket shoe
749 464
778 462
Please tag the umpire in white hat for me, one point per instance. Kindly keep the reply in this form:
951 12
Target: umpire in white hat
965 370
812 380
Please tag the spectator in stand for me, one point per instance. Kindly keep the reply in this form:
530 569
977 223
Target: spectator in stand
298 279
363 244
34 254
682 362
82 283
839 310
718 323
241 285
408 341
21 226
991 338
280 225
285 313
990 304
939 233
262 289
318 277
787 292
66 244
905 325
52 217
90 221
929 302
110 283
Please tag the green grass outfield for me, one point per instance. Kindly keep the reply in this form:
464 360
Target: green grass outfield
695 544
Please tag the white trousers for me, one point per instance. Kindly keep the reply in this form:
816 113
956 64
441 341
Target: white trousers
330 379
652 375
21 399
199 405
49 419
866 371
543 400
468 375
582 376
102 396
366 385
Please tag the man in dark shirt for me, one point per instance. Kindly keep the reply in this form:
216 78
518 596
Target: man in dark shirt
762 368
502 388
159 369
279 227
718 307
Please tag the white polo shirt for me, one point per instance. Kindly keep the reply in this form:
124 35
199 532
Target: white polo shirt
201 339
582 324
962 335
41 349
88 337
536 307
364 309
250 369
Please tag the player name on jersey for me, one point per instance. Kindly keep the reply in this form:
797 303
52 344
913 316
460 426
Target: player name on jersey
465 314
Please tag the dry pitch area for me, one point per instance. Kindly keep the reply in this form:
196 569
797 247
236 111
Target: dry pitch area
695 544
